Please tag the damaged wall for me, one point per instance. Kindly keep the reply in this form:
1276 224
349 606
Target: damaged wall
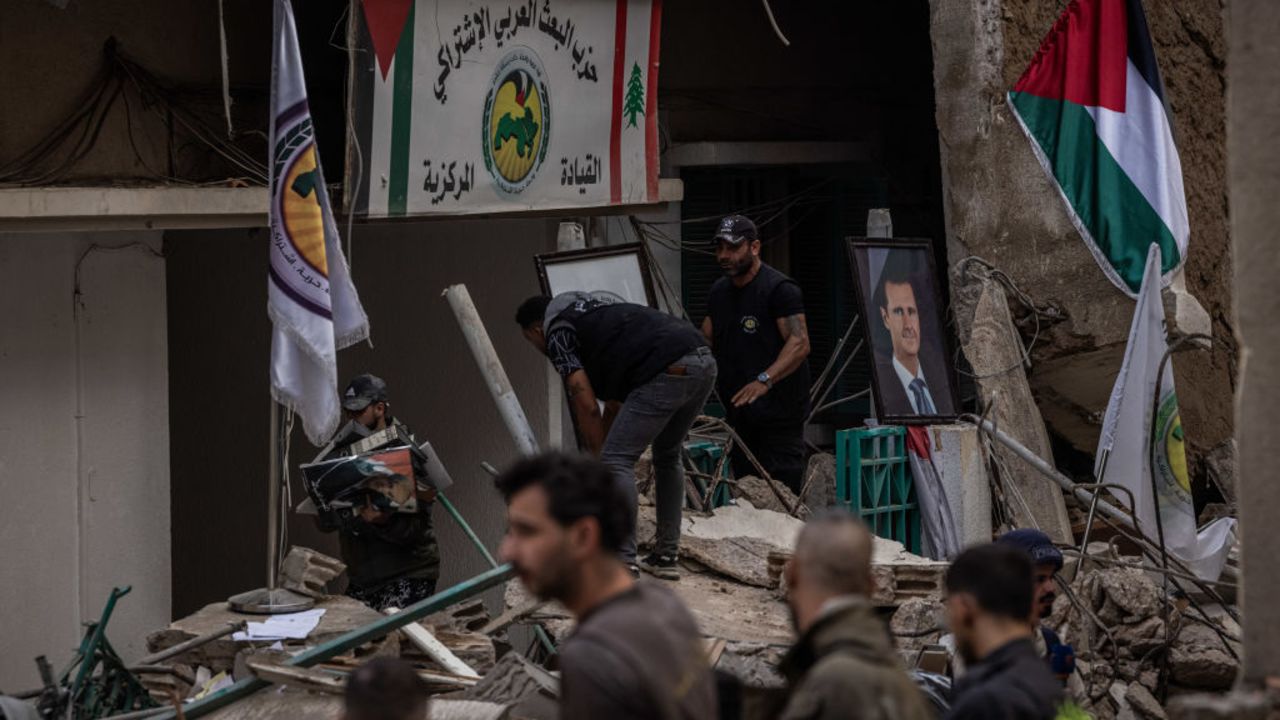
84 444
219 391
1001 206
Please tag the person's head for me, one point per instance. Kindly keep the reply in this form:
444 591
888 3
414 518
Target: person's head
529 317
988 598
1046 560
898 310
832 558
385 688
737 245
365 401
566 518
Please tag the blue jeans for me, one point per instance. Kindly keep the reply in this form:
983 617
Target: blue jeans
659 413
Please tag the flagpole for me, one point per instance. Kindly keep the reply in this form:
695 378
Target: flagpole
272 599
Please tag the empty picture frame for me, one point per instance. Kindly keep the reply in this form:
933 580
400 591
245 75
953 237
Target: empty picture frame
901 301
620 270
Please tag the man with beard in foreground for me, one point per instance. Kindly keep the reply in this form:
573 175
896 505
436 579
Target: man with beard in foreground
636 652
989 593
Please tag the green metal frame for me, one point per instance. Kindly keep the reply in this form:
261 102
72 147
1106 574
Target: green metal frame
102 684
350 640
873 480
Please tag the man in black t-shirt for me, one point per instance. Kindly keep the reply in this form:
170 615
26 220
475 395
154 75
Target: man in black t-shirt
654 373
756 326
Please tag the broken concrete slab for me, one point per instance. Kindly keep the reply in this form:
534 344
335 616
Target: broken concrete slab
820 482
994 350
342 614
758 492
1198 659
741 558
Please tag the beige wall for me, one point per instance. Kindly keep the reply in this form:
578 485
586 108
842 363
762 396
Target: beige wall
84 445
218 357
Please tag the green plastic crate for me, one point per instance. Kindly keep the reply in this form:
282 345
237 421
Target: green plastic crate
705 455
873 480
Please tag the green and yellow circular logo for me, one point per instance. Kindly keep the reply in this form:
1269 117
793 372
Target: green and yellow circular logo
1168 450
517 116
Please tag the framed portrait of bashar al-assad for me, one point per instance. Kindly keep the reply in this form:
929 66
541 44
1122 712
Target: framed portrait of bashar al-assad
620 271
902 310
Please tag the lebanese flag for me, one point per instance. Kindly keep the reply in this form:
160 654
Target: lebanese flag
1093 106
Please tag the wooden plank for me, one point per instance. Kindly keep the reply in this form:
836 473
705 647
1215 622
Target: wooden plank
512 616
436 650
303 678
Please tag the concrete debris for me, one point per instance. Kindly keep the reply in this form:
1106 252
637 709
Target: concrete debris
1124 678
917 622
1220 466
757 492
744 559
514 683
1200 660
994 348
820 482
1143 703
1125 595
308 572
342 614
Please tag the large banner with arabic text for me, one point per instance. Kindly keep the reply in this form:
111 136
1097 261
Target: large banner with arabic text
490 106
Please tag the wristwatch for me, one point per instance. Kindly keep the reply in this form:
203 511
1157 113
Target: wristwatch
764 378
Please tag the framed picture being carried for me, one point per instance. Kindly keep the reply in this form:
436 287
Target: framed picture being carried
902 310
618 270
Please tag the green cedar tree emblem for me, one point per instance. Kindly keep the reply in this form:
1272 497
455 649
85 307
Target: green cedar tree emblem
634 104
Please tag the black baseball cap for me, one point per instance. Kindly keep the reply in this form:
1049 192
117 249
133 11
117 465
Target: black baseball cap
363 390
735 230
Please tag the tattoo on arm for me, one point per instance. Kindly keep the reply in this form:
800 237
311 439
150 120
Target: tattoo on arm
795 325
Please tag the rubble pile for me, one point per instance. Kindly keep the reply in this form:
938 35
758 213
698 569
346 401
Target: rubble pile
1127 656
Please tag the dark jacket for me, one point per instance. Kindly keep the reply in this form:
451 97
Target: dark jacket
1012 683
845 666
403 547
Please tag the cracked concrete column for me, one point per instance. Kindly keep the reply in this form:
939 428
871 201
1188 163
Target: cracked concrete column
1253 144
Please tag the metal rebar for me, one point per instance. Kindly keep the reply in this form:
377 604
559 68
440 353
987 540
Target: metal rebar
195 642
353 639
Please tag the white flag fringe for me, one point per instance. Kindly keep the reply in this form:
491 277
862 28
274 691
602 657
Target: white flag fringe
1135 446
310 298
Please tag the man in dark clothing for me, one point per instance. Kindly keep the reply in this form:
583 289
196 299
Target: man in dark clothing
392 557
989 594
1046 560
844 664
653 371
636 652
756 326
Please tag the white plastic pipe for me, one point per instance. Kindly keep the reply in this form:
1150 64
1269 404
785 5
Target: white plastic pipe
491 368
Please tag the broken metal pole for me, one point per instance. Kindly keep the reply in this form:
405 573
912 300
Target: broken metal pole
353 639
1049 471
195 642
466 528
491 368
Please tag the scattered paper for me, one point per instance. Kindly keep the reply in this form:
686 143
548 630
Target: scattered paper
214 684
291 626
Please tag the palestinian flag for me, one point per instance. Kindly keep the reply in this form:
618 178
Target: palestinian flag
1093 106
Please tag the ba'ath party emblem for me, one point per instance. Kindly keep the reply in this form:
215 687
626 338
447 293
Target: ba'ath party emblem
1168 450
298 194
517 119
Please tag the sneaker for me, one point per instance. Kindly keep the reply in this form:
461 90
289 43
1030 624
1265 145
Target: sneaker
661 566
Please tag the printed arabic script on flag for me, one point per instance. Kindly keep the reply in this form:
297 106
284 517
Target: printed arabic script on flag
310 298
1092 104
